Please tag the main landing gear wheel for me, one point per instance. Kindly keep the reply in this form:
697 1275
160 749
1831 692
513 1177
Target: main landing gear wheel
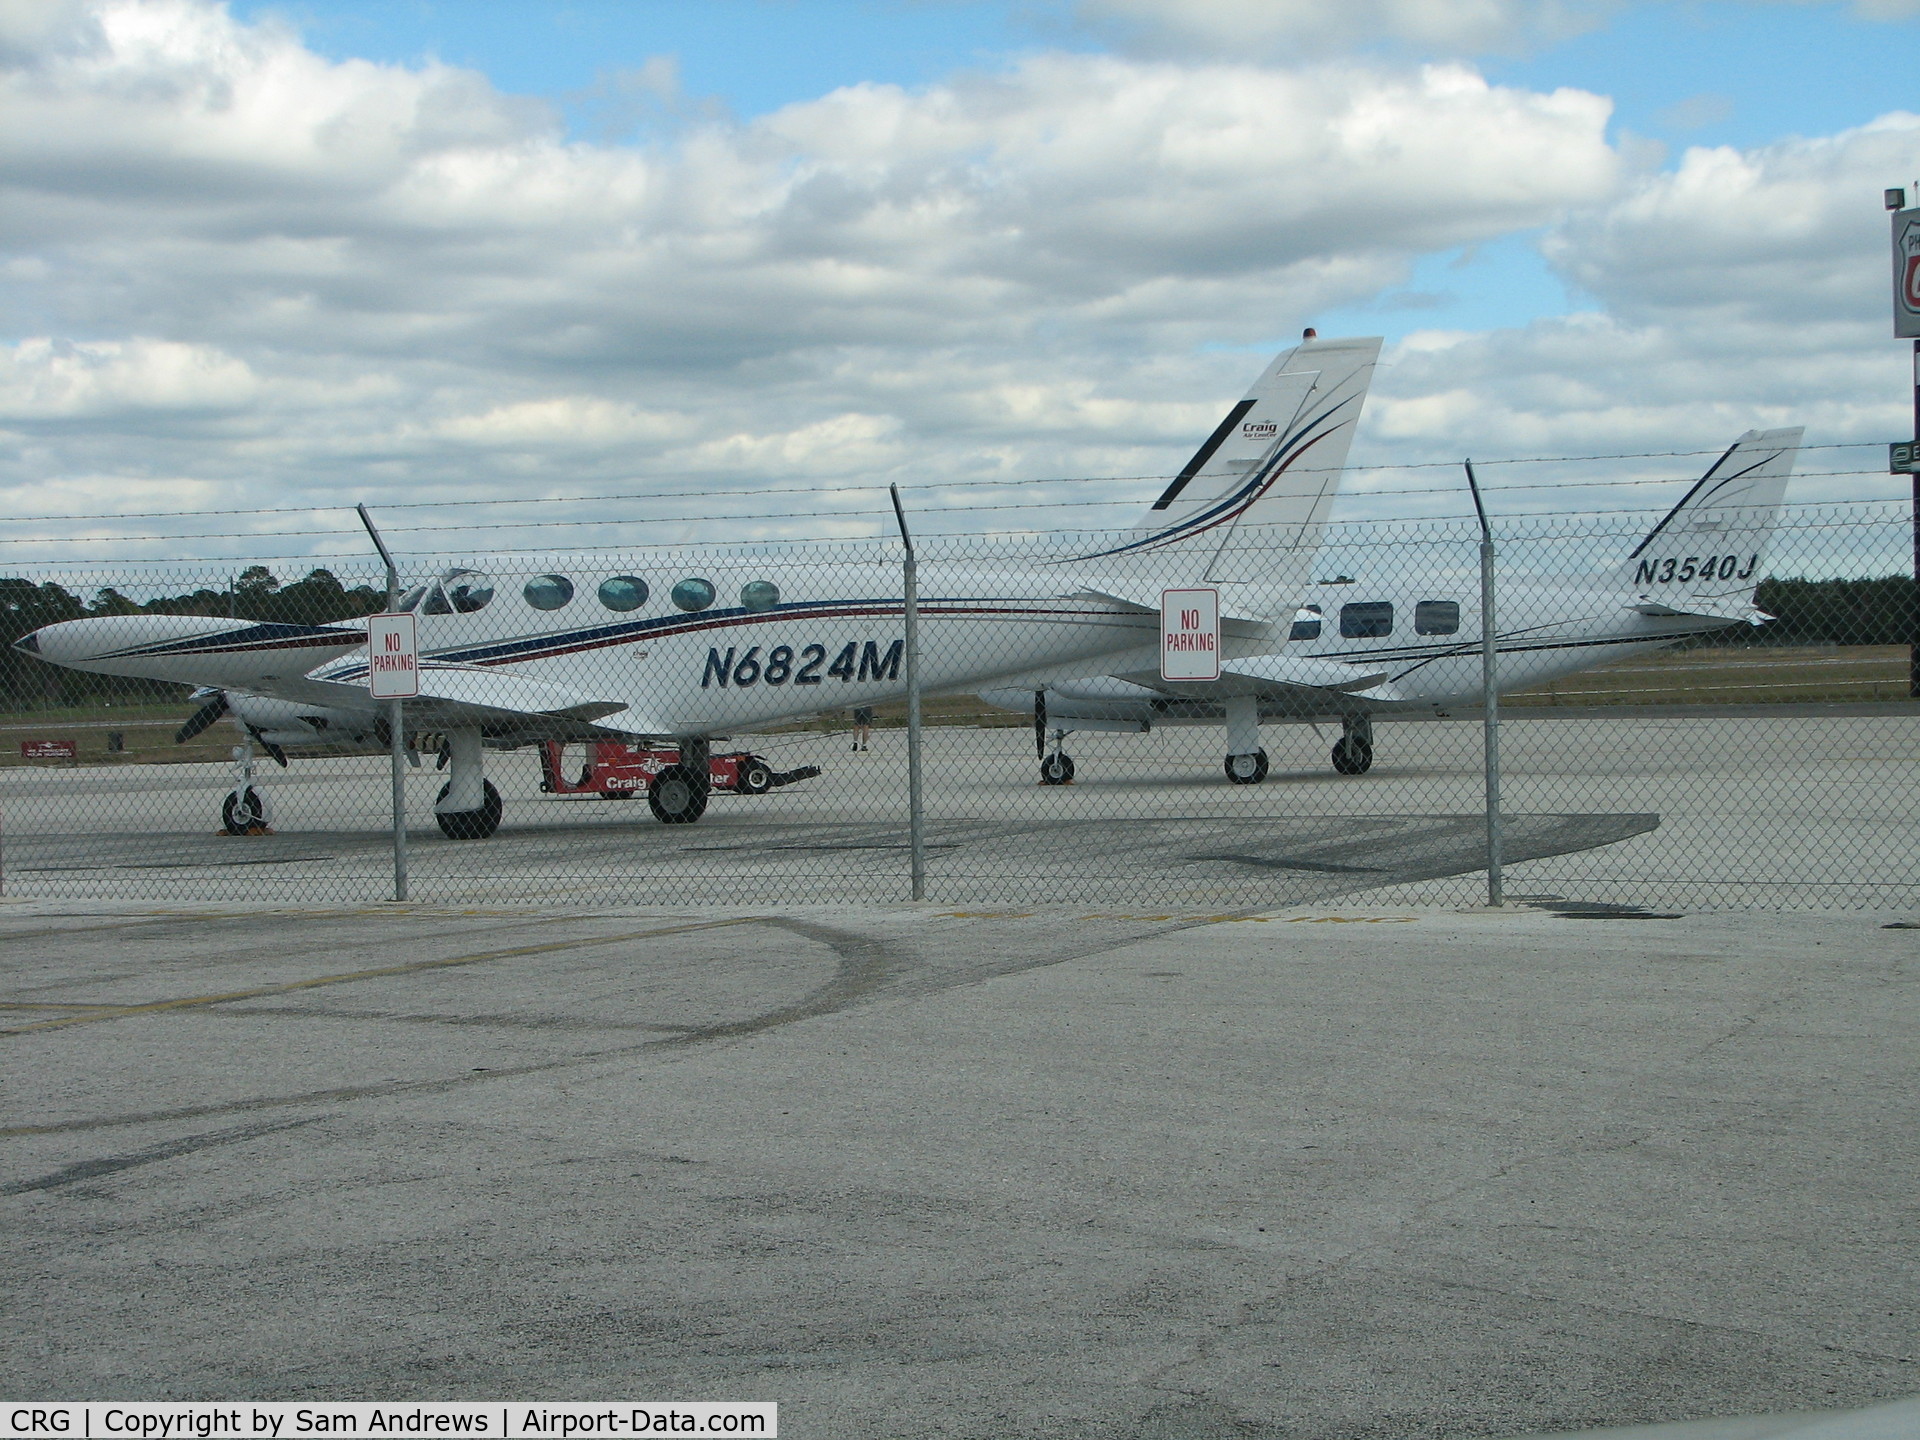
243 814
1057 769
470 824
1353 756
1247 769
755 778
676 796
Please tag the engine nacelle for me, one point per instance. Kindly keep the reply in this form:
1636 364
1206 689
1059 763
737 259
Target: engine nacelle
288 723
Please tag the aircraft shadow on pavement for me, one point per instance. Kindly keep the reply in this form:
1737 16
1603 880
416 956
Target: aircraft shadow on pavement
1246 861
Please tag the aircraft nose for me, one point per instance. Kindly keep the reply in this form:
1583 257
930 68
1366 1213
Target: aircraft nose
29 642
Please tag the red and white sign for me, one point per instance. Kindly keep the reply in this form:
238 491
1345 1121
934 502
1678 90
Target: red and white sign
393 657
48 750
1906 274
1190 634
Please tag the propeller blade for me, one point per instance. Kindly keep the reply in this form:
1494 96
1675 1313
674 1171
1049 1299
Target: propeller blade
202 718
1040 723
279 755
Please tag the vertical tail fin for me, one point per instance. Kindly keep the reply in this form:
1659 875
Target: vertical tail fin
1709 552
1249 507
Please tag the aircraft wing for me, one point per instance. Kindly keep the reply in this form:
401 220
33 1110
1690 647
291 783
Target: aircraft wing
452 695
503 704
1278 678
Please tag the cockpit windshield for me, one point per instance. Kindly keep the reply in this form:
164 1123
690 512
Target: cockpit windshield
456 592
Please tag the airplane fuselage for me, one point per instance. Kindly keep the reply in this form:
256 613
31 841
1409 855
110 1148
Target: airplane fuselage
1425 643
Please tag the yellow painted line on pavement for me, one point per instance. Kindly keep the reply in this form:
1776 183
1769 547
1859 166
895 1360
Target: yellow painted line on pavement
381 972
1199 918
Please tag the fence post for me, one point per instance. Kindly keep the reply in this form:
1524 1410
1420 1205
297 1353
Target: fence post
1490 686
396 727
911 611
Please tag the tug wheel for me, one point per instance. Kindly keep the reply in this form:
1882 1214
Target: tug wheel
676 796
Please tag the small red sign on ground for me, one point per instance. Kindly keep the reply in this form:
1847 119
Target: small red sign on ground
48 750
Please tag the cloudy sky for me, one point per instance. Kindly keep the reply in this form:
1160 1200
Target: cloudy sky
754 258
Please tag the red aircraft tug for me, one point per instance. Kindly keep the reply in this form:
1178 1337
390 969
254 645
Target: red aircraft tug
617 771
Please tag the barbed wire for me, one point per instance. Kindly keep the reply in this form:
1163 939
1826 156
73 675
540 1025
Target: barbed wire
1536 528
827 486
599 521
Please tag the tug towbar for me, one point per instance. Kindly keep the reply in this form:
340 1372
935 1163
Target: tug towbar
280 1420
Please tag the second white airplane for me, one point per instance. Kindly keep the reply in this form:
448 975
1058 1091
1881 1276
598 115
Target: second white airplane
1385 645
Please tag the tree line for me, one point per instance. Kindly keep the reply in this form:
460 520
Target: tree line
1830 612
1810 612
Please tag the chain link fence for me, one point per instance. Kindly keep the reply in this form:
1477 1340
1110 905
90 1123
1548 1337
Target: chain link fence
1649 760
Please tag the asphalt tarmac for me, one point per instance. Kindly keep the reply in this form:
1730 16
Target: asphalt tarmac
1664 812
917 1171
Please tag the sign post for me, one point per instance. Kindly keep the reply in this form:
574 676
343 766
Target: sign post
393 675
1906 326
1190 634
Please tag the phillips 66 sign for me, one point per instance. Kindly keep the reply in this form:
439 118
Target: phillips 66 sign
1906 274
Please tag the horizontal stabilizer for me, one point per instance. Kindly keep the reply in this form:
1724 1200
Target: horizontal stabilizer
1735 611
1277 678
1143 600
1306 671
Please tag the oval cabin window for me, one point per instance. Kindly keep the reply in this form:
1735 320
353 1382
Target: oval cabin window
548 592
623 592
693 593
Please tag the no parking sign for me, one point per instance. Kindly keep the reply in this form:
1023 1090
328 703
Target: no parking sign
1190 634
393 657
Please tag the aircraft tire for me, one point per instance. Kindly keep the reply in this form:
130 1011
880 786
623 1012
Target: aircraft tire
755 777
1253 776
243 814
1353 756
1057 769
676 796
470 824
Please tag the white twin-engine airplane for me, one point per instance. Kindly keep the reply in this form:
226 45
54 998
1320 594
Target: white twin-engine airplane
742 645
1361 649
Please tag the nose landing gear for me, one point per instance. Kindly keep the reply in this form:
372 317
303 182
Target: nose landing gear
244 811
